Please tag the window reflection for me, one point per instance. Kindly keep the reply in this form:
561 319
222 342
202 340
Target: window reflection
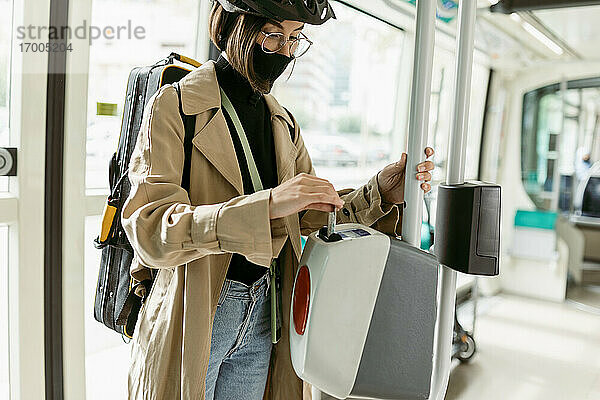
169 25
343 95
442 109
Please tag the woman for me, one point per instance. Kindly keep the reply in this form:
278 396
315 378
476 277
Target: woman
205 328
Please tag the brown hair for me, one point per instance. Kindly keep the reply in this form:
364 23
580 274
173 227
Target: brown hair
237 33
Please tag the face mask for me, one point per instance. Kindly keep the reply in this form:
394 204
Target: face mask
269 66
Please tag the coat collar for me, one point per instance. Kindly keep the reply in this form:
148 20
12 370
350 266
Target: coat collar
200 92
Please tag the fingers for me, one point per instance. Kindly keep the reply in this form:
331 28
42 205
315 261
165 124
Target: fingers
425 166
402 161
424 176
320 207
325 198
312 179
317 190
316 193
313 183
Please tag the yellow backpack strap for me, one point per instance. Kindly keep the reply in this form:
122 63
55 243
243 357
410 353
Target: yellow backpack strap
185 59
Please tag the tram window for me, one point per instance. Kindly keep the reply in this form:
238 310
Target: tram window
440 119
5 51
343 93
168 26
440 112
556 135
442 107
479 87
4 382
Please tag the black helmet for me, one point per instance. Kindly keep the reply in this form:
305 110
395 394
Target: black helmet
313 12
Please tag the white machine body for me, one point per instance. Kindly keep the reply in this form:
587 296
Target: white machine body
339 336
363 315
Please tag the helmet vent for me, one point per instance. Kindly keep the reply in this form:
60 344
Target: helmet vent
311 6
314 12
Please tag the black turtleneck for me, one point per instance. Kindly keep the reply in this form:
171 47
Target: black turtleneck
256 120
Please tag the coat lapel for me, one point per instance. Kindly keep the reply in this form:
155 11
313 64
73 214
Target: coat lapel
215 143
286 152
200 96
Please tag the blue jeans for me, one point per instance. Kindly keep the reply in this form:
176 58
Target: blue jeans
241 342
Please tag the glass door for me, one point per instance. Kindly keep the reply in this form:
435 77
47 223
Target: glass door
23 85
98 70
5 38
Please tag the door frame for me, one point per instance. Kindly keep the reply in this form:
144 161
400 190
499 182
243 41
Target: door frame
23 208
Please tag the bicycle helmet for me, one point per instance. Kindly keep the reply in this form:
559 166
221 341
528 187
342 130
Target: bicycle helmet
313 12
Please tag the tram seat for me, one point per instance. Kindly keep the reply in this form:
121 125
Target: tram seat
366 332
587 216
590 208
582 231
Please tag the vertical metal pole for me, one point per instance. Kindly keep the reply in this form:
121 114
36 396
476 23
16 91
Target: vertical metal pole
454 175
462 95
595 149
419 119
578 143
559 139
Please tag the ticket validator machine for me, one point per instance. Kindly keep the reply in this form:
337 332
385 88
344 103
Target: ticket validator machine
372 315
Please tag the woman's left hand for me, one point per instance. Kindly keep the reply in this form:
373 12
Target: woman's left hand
391 179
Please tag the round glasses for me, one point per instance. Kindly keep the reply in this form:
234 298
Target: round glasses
274 41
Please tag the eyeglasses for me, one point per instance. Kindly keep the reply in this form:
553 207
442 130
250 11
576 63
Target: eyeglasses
274 41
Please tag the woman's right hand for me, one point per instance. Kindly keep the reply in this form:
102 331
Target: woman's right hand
304 191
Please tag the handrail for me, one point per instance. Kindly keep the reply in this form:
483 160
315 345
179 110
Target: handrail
454 175
419 119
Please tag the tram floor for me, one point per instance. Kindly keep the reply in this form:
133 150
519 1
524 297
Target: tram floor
532 350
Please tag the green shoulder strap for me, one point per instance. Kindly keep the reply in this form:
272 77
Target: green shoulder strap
275 278
254 175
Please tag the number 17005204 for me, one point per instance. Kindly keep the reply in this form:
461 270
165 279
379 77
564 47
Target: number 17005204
48 47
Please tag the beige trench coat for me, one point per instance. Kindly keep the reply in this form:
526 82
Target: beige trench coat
190 238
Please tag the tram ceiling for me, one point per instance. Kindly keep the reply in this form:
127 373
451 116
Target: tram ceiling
568 29
511 6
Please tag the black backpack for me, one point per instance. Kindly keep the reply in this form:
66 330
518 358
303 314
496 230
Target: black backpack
116 303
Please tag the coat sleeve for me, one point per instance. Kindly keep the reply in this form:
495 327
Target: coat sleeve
162 226
364 205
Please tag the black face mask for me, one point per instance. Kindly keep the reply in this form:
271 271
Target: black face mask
269 66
